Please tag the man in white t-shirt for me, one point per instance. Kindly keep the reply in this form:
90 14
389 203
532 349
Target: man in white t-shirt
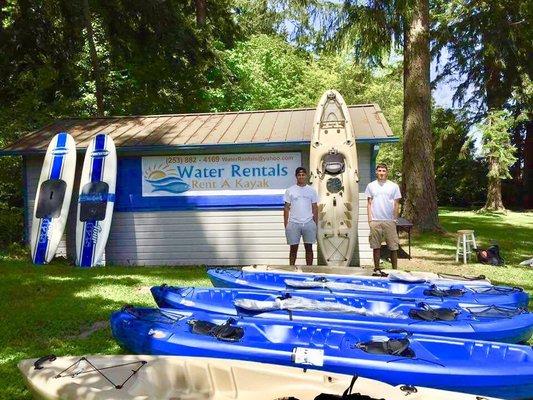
383 205
300 216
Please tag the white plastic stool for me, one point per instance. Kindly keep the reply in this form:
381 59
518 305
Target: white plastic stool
466 241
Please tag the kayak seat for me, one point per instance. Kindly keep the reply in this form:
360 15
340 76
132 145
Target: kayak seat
391 347
433 314
224 331
436 292
333 164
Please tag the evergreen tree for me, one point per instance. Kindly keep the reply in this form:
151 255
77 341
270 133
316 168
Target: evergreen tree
499 153
488 46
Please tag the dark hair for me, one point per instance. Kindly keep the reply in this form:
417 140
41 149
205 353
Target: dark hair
382 165
300 169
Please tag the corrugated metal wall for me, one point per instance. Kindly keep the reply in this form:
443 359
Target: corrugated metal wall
232 237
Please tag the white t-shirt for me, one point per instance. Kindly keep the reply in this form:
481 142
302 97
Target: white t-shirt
383 196
301 199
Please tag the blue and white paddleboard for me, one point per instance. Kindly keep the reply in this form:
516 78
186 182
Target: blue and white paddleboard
96 201
52 199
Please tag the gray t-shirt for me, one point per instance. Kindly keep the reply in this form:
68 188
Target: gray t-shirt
301 199
383 196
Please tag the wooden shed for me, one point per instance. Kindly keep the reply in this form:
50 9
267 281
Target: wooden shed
212 219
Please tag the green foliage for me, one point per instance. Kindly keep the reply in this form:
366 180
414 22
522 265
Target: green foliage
11 202
488 47
496 144
11 226
11 182
266 72
152 55
459 176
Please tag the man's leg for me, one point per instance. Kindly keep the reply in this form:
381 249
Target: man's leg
375 242
309 237
377 256
393 242
308 253
292 254
394 259
293 234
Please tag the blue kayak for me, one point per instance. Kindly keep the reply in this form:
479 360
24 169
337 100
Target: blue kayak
425 292
484 368
502 324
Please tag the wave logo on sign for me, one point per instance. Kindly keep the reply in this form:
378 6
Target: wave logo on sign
163 179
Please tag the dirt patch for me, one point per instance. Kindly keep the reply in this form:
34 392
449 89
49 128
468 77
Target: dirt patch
143 289
97 326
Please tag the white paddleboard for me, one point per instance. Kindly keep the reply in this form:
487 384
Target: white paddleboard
333 164
96 201
52 200
143 377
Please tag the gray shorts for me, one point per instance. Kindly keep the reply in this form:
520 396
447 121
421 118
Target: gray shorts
294 231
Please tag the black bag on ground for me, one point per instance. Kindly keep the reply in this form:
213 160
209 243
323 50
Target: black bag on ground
491 256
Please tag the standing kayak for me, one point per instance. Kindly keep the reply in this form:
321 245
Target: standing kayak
502 324
485 368
426 292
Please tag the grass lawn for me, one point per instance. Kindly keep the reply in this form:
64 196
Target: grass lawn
512 231
54 309
63 310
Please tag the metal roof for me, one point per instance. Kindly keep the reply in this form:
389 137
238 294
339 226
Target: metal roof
190 130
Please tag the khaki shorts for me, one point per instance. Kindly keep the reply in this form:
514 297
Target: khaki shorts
383 230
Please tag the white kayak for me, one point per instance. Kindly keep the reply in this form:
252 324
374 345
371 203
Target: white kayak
392 274
96 201
142 377
334 175
309 269
52 200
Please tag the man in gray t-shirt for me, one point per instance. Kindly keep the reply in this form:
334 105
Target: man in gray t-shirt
300 216
383 204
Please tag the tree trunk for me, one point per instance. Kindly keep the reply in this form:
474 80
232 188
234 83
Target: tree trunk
201 11
95 65
494 189
418 176
528 167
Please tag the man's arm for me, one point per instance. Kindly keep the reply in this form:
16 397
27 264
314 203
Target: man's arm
315 212
286 210
369 209
397 197
396 209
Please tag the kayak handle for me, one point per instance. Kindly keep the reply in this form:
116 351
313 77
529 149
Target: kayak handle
39 363
408 389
